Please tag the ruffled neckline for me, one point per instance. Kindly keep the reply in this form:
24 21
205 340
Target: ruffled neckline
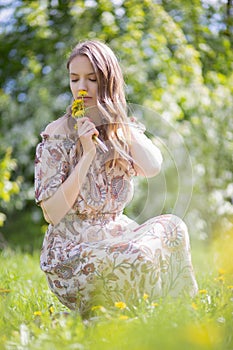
62 137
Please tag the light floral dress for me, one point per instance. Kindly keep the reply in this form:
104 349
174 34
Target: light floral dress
96 255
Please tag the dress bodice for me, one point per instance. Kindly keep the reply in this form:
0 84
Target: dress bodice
106 189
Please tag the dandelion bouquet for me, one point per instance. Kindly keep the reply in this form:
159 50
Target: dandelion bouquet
78 111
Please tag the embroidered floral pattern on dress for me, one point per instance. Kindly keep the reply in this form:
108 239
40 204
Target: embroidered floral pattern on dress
97 194
119 188
98 255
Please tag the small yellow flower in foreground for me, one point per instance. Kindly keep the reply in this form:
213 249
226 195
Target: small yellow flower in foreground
220 279
51 309
120 305
95 307
204 336
221 271
37 313
98 307
202 291
145 296
194 306
230 287
154 304
123 317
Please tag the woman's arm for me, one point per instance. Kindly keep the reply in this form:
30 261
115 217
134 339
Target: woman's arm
56 207
146 156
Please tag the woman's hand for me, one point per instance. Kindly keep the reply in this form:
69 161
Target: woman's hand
86 131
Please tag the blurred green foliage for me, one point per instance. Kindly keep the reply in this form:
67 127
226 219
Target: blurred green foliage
177 60
7 186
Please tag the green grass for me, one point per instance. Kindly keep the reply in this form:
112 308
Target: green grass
32 318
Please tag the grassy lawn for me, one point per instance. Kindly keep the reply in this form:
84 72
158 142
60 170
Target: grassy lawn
32 318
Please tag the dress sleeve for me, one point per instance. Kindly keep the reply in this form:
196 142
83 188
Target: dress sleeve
135 124
138 130
52 166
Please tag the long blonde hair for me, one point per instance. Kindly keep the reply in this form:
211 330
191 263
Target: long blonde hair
111 100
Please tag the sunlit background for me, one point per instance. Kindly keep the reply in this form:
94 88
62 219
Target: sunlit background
177 59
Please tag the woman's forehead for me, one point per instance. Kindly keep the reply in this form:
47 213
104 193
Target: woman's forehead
81 64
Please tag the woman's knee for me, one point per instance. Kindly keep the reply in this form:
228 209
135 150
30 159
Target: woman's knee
175 232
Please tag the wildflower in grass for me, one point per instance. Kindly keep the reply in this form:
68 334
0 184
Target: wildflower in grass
37 313
204 335
194 306
220 279
221 272
202 291
98 308
120 305
230 287
154 304
145 296
51 310
123 317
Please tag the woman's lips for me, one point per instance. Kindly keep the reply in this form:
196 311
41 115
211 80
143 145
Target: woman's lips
86 100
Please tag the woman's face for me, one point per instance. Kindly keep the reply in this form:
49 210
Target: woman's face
83 77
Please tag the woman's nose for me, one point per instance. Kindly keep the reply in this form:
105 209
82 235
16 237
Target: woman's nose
82 85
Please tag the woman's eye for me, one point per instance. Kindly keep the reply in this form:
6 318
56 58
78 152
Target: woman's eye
74 80
93 79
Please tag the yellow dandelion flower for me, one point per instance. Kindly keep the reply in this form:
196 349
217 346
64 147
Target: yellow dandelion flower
78 107
120 305
95 307
37 313
154 304
202 291
202 335
145 296
230 287
194 306
76 103
51 309
79 113
98 307
82 93
221 271
78 110
220 279
123 317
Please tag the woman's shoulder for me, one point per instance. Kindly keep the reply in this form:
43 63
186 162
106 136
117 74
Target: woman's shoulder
59 126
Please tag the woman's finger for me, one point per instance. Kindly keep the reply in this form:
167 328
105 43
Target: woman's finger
86 129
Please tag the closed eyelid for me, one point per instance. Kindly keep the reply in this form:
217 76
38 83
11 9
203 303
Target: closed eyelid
88 74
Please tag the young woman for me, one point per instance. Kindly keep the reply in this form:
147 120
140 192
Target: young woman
92 253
